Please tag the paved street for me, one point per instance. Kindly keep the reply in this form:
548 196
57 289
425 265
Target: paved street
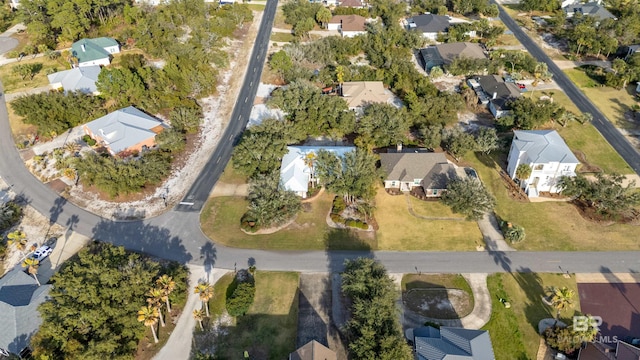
176 235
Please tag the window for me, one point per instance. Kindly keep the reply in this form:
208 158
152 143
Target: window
393 184
567 168
416 181
539 167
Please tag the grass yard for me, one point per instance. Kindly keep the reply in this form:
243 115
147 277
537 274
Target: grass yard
13 82
256 7
514 331
231 176
19 129
278 22
220 220
586 139
399 230
551 226
269 329
282 37
448 281
431 289
613 103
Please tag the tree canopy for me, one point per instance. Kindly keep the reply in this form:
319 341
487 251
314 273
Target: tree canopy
373 330
92 307
468 197
606 194
270 204
354 175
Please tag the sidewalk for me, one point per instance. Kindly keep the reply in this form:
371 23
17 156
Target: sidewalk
491 233
179 344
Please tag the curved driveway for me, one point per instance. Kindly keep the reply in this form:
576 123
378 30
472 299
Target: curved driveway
176 234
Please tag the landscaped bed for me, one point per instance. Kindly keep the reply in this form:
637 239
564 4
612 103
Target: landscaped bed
438 296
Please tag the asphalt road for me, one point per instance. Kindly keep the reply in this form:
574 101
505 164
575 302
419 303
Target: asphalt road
601 123
176 235
201 188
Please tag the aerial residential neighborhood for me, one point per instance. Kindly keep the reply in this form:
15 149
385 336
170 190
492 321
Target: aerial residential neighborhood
302 179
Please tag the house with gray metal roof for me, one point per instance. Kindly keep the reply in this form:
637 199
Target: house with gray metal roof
548 156
498 94
82 79
450 343
594 9
444 54
296 169
407 170
429 25
20 297
96 51
127 129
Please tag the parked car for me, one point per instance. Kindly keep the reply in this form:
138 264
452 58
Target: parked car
521 86
41 253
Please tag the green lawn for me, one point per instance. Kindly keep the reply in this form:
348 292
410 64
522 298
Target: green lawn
514 331
269 329
551 226
232 176
220 221
586 139
613 103
256 7
447 281
282 37
13 82
399 230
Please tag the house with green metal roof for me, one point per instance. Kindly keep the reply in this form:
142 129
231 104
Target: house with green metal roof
96 51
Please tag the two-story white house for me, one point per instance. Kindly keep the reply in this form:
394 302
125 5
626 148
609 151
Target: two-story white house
547 155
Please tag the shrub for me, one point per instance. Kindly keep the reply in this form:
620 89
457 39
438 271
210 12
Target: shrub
337 218
248 222
241 298
338 205
87 139
10 214
512 232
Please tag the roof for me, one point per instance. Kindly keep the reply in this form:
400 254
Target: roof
81 79
543 146
504 91
124 128
294 172
453 343
349 22
432 168
446 53
591 9
359 93
313 350
627 352
591 352
429 23
94 49
20 297
351 3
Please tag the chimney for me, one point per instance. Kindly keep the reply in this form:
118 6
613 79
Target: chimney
495 95
84 49
399 147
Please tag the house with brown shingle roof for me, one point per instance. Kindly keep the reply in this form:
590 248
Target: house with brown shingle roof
408 170
444 54
359 93
313 350
352 3
348 25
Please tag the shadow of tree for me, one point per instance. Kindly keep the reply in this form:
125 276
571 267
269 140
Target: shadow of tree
531 284
208 255
150 239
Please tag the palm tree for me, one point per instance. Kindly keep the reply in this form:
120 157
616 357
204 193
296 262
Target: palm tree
199 316
561 299
206 292
19 238
155 298
167 285
149 317
32 266
523 171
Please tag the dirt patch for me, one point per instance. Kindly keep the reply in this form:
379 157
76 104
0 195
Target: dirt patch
439 303
586 167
